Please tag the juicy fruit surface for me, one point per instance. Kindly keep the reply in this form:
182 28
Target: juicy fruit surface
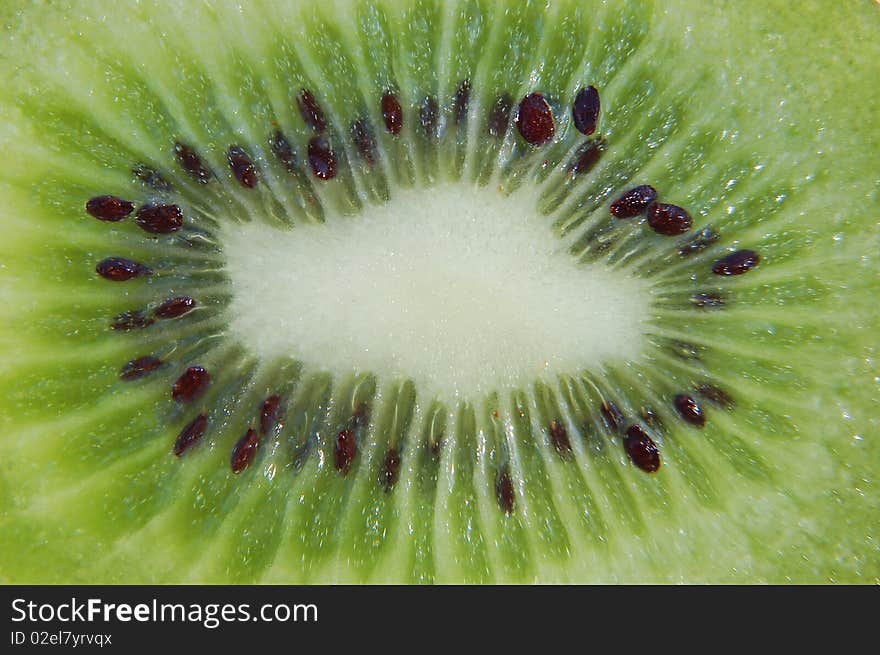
749 119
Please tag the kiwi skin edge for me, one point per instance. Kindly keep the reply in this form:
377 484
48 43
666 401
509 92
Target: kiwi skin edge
759 123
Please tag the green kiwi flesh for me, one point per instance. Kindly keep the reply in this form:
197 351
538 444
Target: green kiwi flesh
759 120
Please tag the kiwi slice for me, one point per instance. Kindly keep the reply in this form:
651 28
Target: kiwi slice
428 291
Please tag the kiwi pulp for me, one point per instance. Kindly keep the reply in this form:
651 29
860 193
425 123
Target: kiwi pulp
667 200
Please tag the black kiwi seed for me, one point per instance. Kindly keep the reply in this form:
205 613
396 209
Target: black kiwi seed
282 149
586 157
109 208
689 409
436 447
363 139
159 219
191 384
134 320
191 434
140 367
736 263
461 102
559 439
499 115
311 111
641 449
392 113
612 414
428 113
192 163
535 120
700 241
119 269
151 177
714 394
242 167
668 220
390 469
585 110
174 307
633 202
708 299
244 451
269 412
345 450
505 492
322 158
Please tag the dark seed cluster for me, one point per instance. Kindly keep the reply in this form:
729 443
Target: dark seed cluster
245 450
638 445
663 218
671 220
323 154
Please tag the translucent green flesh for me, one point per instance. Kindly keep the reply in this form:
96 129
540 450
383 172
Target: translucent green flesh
760 121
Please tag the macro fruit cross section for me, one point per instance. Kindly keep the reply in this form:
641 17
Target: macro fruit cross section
435 291
534 120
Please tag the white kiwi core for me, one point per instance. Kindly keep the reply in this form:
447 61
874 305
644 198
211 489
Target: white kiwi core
462 290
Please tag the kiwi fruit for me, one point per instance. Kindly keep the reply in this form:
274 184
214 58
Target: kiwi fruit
425 291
